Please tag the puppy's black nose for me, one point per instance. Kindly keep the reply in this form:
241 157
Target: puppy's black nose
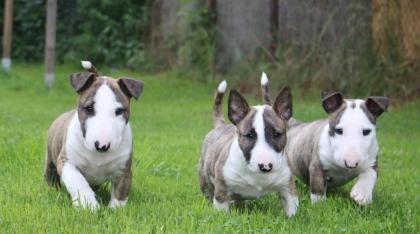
102 148
351 166
265 168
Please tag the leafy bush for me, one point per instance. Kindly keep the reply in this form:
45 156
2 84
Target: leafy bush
108 32
103 31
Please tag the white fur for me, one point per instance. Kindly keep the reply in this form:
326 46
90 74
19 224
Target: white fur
245 178
105 127
264 79
316 198
115 203
362 190
86 64
78 188
351 145
290 202
222 87
224 206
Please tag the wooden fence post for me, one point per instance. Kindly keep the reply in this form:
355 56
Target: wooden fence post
274 27
6 60
49 75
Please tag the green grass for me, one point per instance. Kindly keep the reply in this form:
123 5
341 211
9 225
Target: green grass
169 122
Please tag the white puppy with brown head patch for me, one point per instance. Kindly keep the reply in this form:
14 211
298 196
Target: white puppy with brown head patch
245 160
93 144
331 152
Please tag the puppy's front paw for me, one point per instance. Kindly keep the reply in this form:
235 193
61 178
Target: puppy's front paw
291 206
224 206
361 196
115 203
86 202
316 198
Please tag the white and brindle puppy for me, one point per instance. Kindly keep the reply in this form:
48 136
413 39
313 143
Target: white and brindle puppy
93 144
245 160
331 152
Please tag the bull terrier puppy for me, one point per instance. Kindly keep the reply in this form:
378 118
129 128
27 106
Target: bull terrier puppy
245 160
331 152
93 143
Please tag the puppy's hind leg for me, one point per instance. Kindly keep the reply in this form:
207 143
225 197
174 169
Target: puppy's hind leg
206 186
221 198
50 172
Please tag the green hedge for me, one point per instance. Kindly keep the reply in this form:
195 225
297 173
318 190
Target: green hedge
103 31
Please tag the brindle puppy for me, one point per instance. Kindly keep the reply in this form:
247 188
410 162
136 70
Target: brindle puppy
331 152
245 160
93 144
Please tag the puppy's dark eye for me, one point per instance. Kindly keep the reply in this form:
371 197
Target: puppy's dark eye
251 135
276 134
366 132
119 111
90 110
338 131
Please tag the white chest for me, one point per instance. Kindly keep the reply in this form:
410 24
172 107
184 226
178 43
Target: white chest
252 185
98 169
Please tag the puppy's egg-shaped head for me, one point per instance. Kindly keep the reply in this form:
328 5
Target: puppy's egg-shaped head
104 109
261 130
352 128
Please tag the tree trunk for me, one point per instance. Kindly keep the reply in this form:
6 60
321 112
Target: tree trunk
7 35
50 42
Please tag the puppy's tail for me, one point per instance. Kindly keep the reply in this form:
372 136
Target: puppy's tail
264 89
88 66
218 119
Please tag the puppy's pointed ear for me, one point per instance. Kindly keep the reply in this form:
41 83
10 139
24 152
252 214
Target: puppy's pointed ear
332 102
377 105
238 108
324 94
131 87
81 81
283 106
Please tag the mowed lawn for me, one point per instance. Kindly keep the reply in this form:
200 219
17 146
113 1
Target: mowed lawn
169 122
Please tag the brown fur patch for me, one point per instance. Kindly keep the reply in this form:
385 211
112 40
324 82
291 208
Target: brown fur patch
122 184
214 153
302 147
121 97
335 117
86 98
245 127
368 114
56 156
274 125
266 94
218 119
